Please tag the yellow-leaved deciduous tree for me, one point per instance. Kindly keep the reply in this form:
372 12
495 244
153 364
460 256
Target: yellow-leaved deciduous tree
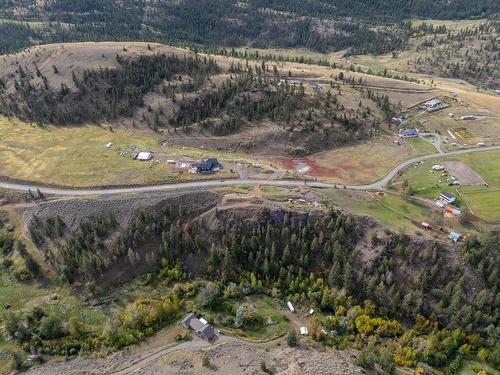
405 356
147 312
314 328
368 325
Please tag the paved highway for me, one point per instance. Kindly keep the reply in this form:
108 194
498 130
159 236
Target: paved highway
230 182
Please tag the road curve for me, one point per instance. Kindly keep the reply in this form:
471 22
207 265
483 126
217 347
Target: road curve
20 186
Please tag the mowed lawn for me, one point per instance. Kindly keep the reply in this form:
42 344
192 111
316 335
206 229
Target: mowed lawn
369 161
484 201
78 156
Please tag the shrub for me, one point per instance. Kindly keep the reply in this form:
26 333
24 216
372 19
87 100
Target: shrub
292 338
51 327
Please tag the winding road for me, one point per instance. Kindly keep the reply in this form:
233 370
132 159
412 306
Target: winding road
20 186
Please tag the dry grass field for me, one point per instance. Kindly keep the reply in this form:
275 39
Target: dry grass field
77 57
78 156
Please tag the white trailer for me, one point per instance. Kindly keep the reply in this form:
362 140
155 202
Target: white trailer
290 306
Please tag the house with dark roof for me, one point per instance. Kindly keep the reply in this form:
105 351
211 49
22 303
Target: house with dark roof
408 133
447 197
208 165
203 330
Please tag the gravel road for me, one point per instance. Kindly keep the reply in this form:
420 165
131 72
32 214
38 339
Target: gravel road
231 182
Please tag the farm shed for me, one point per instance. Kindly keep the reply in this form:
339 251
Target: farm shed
454 236
144 156
453 211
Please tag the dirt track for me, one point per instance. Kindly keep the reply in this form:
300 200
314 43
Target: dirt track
228 355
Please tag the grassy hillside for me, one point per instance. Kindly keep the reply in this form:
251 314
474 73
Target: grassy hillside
231 104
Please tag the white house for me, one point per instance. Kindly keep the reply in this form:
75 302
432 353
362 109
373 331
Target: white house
433 103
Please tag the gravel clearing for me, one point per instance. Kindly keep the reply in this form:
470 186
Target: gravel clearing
228 356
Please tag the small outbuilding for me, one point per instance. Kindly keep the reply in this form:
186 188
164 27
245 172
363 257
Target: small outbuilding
454 236
144 156
453 211
290 306
315 86
441 203
303 331
468 117
397 120
437 167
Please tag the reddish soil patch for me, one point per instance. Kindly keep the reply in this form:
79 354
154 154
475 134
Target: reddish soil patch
309 167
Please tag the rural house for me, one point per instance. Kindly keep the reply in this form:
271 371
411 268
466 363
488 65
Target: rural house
447 197
432 103
397 120
408 133
208 165
200 326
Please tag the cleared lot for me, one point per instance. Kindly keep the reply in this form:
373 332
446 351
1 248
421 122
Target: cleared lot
465 174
